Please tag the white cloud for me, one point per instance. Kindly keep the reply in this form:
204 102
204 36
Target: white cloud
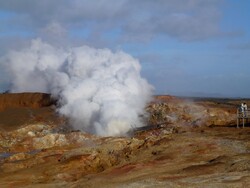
55 29
185 20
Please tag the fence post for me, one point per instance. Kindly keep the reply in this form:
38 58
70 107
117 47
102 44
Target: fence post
243 121
237 117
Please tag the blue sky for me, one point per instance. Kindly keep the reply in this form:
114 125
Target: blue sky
186 47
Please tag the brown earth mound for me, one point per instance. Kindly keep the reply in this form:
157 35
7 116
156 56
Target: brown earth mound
32 100
18 109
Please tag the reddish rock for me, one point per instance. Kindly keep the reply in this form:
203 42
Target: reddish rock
33 100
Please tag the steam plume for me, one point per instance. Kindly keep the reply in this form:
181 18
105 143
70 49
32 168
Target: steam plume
100 91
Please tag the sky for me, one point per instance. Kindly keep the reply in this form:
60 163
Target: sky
185 47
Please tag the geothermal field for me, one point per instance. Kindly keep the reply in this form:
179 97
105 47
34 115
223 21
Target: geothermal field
94 122
124 94
180 142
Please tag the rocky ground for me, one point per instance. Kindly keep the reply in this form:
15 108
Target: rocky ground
186 143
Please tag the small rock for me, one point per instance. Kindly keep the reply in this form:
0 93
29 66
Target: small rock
31 134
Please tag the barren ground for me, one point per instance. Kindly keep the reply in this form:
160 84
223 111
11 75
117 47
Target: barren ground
190 143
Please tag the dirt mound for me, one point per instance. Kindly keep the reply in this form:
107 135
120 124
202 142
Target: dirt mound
18 109
31 100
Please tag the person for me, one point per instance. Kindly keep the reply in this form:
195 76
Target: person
244 109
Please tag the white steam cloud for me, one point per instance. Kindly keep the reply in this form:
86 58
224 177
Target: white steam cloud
100 91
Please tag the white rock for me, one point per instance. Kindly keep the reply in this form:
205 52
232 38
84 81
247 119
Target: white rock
31 134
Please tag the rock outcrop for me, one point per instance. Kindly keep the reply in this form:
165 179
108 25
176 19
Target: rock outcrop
186 113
